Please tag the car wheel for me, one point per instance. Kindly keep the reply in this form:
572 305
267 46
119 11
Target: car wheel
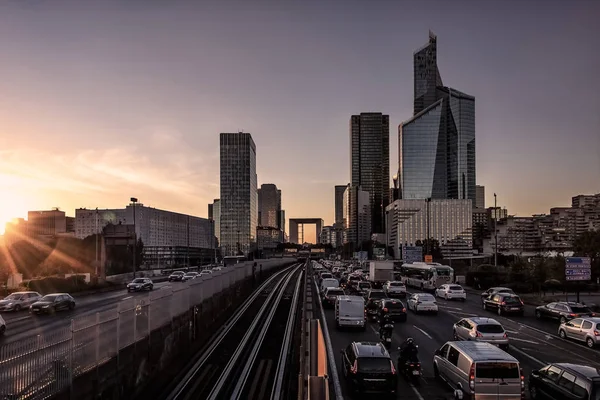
563 320
562 334
455 336
436 373
590 343
71 306
538 314
18 308
533 392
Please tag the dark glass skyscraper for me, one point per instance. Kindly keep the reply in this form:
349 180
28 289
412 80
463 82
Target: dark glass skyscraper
437 145
370 162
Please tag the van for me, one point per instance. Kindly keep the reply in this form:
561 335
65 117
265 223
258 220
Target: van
481 371
350 312
329 282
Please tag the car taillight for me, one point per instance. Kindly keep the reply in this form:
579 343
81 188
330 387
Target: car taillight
393 368
522 381
503 303
404 310
596 333
478 334
385 309
354 368
505 335
472 377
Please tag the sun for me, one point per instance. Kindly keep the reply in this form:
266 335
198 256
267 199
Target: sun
11 207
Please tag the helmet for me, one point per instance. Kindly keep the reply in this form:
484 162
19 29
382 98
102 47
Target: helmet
410 341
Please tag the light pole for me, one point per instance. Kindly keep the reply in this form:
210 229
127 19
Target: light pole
495 232
134 200
238 243
427 243
96 254
187 254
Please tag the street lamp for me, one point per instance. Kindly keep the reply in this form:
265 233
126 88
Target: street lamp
495 232
134 200
428 207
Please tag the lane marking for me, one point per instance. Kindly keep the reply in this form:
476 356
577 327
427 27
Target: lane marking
523 340
513 332
127 298
450 308
416 392
422 331
462 313
527 355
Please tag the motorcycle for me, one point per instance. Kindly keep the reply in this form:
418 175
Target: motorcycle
385 336
410 368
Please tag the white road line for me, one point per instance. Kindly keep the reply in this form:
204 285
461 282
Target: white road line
450 308
513 332
416 391
127 298
528 356
422 331
523 340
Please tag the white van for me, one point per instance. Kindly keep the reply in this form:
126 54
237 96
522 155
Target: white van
329 282
480 370
350 312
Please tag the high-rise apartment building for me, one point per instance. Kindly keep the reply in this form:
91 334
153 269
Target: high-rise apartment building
46 223
369 162
339 205
239 195
479 196
269 206
437 145
214 214
357 215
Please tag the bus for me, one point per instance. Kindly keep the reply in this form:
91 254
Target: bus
230 260
426 276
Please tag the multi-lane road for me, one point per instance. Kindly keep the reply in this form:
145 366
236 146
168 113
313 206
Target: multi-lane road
533 342
20 325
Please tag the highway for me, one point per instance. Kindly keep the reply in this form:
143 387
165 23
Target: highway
21 325
534 343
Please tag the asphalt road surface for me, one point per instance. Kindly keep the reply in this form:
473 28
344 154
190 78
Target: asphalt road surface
20 325
534 343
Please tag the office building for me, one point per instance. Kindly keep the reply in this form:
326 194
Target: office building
269 206
369 162
448 221
49 223
214 215
437 145
357 215
339 204
239 193
268 237
479 196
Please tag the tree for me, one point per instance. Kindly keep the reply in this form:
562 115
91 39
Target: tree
433 246
588 245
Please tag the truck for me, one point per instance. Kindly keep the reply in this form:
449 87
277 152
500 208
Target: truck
380 272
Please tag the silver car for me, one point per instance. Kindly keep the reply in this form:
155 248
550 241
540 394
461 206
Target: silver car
481 329
581 329
19 301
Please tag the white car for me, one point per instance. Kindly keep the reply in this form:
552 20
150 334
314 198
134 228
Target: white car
19 301
422 302
394 289
205 272
451 291
2 326
190 276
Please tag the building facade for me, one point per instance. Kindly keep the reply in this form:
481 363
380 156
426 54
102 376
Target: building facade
339 204
370 162
437 145
268 237
214 214
357 215
479 196
449 221
239 195
46 223
269 206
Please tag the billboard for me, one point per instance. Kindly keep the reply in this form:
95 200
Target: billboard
412 254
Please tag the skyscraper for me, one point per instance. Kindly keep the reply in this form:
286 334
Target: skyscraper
369 162
357 215
239 202
339 205
437 145
479 196
269 206
214 214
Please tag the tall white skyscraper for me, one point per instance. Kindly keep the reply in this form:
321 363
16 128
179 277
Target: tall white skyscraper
239 196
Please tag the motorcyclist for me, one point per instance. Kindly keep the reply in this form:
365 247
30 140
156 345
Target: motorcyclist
386 327
408 351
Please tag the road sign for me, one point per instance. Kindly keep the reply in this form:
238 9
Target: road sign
428 258
579 277
578 268
412 254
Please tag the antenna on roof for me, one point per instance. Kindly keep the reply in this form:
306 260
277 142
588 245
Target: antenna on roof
432 35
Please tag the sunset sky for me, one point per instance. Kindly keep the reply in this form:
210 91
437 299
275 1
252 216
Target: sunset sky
104 100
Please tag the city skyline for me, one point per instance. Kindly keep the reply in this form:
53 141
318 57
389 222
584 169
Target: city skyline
98 117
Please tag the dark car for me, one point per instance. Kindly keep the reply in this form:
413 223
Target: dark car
140 284
492 291
51 303
176 276
368 368
563 311
394 309
372 299
565 381
504 303
330 295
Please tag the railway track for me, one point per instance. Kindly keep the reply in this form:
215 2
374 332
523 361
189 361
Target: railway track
248 360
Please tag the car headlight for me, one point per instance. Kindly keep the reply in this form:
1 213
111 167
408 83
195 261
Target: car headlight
46 306
9 304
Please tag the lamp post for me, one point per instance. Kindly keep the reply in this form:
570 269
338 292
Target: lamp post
427 242
495 232
238 243
96 254
134 200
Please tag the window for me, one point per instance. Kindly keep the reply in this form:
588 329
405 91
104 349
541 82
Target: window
490 328
453 356
378 364
580 310
444 350
566 381
497 370
579 389
553 373
576 323
586 325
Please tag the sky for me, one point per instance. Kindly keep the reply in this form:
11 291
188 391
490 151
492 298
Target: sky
103 100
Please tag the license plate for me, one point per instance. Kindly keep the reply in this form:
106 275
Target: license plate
416 373
515 308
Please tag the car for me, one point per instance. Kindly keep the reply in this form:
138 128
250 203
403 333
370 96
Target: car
481 329
394 289
581 329
206 272
176 276
330 295
2 326
368 368
363 287
422 302
451 291
372 298
140 284
190 276
504 303
563 311
217 269
565 381
393 308
18 301
51 303
494 290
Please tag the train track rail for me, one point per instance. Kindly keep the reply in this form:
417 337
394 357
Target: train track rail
248 351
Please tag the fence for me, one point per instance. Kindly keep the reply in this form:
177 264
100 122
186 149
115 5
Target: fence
42 366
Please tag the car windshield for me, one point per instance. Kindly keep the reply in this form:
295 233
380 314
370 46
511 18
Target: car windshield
49 297
326 276
580 310
191 273
512 300
396 284
490 328
335 293
364 285
377 295
138 280
505 291
374 365
14 296
178 273
455 287
426 298
497 370
394 304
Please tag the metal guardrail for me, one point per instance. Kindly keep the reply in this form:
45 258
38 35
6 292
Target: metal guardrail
44 365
